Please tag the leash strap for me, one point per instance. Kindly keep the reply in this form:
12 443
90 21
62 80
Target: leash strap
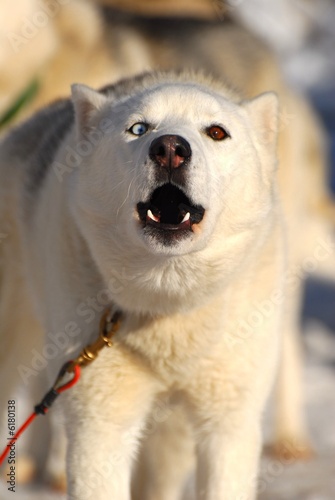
109 325
46 403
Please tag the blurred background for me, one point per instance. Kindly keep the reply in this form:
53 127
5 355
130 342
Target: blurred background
45 45
302 34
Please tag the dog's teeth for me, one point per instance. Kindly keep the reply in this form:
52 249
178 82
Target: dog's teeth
186 218
152 216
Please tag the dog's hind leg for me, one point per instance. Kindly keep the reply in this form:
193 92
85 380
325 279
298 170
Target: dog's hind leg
19 335
291 440
302 163
167 455
55 466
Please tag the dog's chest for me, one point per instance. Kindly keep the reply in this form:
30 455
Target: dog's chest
175 346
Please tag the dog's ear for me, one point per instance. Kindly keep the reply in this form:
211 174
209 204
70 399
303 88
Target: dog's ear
86 102
263 111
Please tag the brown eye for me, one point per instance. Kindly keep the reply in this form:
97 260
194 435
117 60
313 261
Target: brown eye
216 133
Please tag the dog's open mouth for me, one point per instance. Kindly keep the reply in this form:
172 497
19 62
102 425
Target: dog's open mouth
169 209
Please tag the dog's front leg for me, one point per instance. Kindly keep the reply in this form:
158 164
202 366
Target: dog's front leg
226 409
104 419
99 462
228 462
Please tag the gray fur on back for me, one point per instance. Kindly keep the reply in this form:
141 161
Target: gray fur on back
37 140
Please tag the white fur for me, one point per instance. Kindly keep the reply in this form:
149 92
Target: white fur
183 303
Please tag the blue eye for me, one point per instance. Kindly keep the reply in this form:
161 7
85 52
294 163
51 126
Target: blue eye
138 128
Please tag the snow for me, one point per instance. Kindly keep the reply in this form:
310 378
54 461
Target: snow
313 479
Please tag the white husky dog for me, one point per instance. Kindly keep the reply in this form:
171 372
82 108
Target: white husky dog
158 195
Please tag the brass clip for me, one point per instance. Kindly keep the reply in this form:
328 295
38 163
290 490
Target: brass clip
109 325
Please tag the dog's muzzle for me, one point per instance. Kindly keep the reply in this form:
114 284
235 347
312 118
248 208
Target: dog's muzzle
169 214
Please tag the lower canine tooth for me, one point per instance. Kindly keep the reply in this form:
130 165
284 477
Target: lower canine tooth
152 216
186 218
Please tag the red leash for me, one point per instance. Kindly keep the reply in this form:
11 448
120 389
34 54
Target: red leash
109 325
43 407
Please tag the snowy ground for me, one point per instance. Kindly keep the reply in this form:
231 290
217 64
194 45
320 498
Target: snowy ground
315 479
312 480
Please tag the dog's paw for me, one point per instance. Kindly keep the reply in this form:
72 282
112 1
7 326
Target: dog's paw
290 450
25 470
57 482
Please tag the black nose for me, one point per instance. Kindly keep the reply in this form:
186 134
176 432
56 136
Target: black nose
170 151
